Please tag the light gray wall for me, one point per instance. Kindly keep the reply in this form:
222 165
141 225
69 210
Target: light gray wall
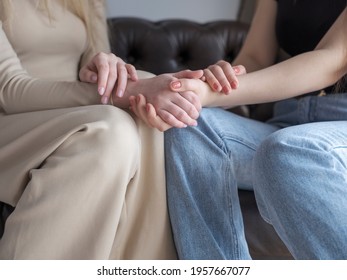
197 10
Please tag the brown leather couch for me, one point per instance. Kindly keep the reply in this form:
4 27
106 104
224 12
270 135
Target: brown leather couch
172 45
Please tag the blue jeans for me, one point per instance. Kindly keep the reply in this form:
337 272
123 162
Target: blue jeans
296 164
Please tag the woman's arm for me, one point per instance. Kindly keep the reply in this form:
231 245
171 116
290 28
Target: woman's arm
177 108
301 74
99 32
259 50
98 64
21 93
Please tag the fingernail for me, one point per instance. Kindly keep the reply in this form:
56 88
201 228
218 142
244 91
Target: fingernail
234 85
225 89
94 78
236 69
104 100
101 90
120 93
176 85
215 86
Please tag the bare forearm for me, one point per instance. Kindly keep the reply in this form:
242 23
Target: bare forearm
133 88
302 74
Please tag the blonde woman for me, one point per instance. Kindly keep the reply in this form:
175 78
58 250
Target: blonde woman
76 172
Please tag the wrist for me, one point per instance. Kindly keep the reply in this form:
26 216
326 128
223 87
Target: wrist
132 89
207 95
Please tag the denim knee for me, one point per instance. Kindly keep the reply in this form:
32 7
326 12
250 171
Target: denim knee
285 162
271 166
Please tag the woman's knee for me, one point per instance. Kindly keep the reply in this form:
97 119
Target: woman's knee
291 153
117 124
113 134
297 142
271 169
273 154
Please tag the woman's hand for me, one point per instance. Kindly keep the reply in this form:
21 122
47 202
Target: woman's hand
147 113
222 76
193 90
110 72
178 109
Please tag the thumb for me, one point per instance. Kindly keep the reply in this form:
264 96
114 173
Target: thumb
239 70
188 74
88 76
184 85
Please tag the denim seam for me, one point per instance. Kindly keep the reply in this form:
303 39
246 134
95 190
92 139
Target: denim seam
338 147
241 141
231 220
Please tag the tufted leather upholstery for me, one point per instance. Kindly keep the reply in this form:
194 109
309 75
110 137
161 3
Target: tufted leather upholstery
172 45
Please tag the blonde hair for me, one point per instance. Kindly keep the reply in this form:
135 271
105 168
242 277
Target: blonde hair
82 8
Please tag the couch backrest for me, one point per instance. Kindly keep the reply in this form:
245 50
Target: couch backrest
172 45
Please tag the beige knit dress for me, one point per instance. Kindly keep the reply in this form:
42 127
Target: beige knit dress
87 181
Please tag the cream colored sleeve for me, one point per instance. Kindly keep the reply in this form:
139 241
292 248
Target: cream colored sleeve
100 32
102 42
21 93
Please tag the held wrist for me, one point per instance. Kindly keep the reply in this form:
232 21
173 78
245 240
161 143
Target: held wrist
207 96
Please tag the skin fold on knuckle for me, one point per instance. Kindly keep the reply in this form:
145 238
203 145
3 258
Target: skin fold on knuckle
181 115
168 118
193 113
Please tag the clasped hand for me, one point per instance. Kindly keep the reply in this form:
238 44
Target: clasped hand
163 101
118 82
163 107
111 74
220 78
